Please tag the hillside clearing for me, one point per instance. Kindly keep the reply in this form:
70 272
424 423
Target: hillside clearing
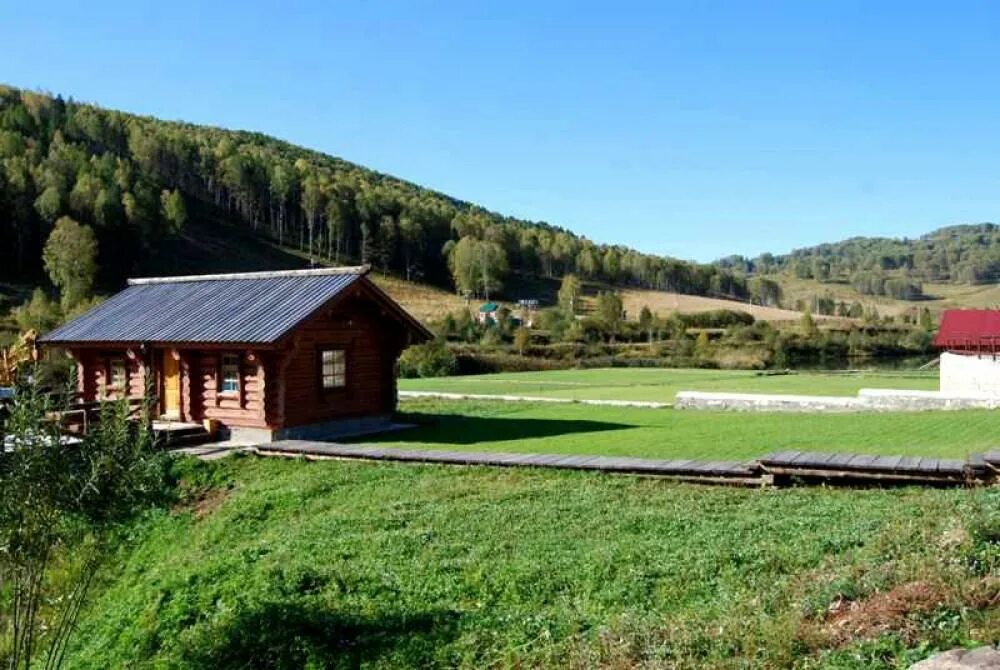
663 303
423 301
939 297
344 565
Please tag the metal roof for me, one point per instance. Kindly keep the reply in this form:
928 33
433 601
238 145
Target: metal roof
969 330
238 308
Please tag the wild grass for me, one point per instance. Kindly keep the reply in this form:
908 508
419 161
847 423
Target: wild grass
660 385
423 301
343 565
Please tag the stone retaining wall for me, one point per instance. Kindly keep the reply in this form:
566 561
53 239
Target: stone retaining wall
527 398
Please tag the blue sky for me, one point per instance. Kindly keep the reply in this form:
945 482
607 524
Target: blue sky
693 129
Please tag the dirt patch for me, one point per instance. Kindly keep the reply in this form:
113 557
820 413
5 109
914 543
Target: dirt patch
868 618
200 504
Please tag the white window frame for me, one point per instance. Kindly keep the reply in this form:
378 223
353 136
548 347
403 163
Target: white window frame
226 363
119 385
332 368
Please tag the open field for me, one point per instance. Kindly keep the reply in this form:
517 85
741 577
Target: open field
663 304
661 384
667 433
289 564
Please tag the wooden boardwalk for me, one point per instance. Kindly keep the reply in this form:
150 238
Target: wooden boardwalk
731 472
822 465
777 468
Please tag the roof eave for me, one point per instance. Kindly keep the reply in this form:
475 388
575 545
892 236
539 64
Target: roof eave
360 270
173 344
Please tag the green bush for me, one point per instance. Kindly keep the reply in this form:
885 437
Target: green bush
433 359
718 318
485 363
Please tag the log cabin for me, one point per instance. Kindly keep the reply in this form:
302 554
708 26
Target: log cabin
262 355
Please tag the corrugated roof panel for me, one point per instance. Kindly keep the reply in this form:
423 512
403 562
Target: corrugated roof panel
243 308
968 329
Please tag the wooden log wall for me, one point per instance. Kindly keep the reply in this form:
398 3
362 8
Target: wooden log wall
370 353
93 368
245 407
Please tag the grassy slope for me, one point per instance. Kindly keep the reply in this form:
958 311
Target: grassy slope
661 385
337 564
939 296
618 431
427 303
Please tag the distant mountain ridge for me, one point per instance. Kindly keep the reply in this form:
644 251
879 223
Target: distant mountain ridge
960 254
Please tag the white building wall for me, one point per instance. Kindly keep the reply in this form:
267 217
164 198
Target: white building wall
970 375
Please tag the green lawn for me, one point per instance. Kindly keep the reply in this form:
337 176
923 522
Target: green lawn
295 564
660 384
666 433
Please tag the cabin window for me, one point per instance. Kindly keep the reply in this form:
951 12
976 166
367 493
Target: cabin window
334 368
230 374
118 374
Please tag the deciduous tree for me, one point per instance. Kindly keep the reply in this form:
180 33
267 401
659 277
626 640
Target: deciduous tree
522 338
569 293
807 323
70 257
174 210
608 311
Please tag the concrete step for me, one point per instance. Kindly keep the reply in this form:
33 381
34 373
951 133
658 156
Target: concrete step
187 436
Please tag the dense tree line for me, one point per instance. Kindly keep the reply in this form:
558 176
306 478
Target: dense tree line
888 266
137 180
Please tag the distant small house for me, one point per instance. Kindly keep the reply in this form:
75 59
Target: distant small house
529 306
969 340
302 353
488 312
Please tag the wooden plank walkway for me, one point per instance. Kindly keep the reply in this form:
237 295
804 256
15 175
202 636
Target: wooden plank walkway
781 467
729 472
811 464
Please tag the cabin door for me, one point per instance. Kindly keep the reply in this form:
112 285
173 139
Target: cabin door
171 385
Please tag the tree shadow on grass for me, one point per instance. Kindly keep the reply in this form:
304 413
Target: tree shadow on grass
463 429
289 635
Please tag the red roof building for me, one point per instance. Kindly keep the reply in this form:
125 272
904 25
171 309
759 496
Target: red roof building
969 331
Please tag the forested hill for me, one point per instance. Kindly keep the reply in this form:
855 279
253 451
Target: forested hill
966 254
142 184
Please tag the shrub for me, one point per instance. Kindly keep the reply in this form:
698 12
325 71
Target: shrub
483 363
718 318
60 515
492 336
433 359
